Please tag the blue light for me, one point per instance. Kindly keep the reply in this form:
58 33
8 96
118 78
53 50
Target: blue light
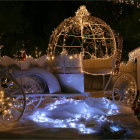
115 128
60 125
84 130
73 113
72 125
81 126
112 110
77 116
114 106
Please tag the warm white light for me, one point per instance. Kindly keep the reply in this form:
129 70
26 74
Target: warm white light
134 54
70 57
84 31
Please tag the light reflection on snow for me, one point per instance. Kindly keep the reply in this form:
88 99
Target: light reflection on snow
70 113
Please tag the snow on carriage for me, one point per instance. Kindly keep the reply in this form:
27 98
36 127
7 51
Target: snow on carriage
82 56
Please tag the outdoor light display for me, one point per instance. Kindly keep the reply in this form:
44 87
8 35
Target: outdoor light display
119 54
125 89
12 100
82 45
128 2
75 113
81 33
134 54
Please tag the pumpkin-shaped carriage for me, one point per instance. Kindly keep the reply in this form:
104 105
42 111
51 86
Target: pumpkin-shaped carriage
82 56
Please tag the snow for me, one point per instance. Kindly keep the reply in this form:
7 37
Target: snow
71 118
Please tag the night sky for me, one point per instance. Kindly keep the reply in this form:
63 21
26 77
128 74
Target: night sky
32 22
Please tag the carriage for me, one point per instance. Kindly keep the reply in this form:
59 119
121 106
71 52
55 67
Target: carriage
83 59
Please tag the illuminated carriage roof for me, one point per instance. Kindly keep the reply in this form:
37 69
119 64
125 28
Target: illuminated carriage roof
83 32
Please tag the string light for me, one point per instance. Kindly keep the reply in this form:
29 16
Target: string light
128 2
134 54
70 57
83 31
118 55
83 111
5 104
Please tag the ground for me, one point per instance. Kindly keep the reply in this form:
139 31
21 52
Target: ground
90 118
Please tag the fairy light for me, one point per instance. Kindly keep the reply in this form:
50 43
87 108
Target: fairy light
64 52
52 57
6 105
128 2
115 128
134 54
118 55
44 116
82 27
70 57
81 13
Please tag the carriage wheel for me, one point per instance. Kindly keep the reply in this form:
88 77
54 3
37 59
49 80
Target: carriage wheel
125 89
12 100
32 85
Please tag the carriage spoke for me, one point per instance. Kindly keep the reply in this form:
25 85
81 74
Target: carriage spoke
125 89
32 84
12 108
17 108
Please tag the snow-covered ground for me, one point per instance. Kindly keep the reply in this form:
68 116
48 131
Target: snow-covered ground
70 118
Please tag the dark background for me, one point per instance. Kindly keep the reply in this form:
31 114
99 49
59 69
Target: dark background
32 22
